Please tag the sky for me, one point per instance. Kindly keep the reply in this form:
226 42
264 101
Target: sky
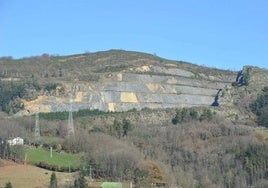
221 34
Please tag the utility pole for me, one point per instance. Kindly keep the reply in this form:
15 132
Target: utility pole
51 152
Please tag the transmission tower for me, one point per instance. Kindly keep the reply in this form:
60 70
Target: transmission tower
70 129
36 127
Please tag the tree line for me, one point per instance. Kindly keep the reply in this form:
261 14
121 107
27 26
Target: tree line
191 114
63 115
260 107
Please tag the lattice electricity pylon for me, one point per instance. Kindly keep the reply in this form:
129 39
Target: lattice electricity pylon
36 127
70 128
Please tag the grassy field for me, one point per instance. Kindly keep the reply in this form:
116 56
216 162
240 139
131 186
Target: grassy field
37 155
29 176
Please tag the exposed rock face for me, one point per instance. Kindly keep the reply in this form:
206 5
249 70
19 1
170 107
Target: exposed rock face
258 78
138 88
118 80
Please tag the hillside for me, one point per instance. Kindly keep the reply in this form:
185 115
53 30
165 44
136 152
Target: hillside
157 121
29 176
118 80
202 146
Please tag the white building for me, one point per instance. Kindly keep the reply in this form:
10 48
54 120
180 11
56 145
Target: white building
15 141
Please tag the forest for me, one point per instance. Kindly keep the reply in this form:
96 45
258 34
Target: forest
191 147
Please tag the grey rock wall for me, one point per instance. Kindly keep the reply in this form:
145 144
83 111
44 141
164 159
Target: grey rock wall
170 88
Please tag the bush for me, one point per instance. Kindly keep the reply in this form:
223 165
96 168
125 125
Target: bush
45 165
187 114
8 185
51 86
64 115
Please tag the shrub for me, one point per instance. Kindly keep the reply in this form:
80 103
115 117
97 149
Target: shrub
8 185
187 114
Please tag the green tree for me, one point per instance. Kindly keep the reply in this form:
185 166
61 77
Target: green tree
117 127
178 117
9 92
126 127
194 114
185 115
260 107
80 182
206 115
8 185
53 181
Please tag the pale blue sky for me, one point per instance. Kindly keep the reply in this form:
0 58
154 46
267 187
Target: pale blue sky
224 34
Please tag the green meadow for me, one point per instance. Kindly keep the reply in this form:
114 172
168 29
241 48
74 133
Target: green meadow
62 160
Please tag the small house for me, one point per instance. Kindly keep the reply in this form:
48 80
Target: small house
15 141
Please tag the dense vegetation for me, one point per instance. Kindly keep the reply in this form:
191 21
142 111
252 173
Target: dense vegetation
12 93
260 107
191 114
10 96
64 115
196 143
255 162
